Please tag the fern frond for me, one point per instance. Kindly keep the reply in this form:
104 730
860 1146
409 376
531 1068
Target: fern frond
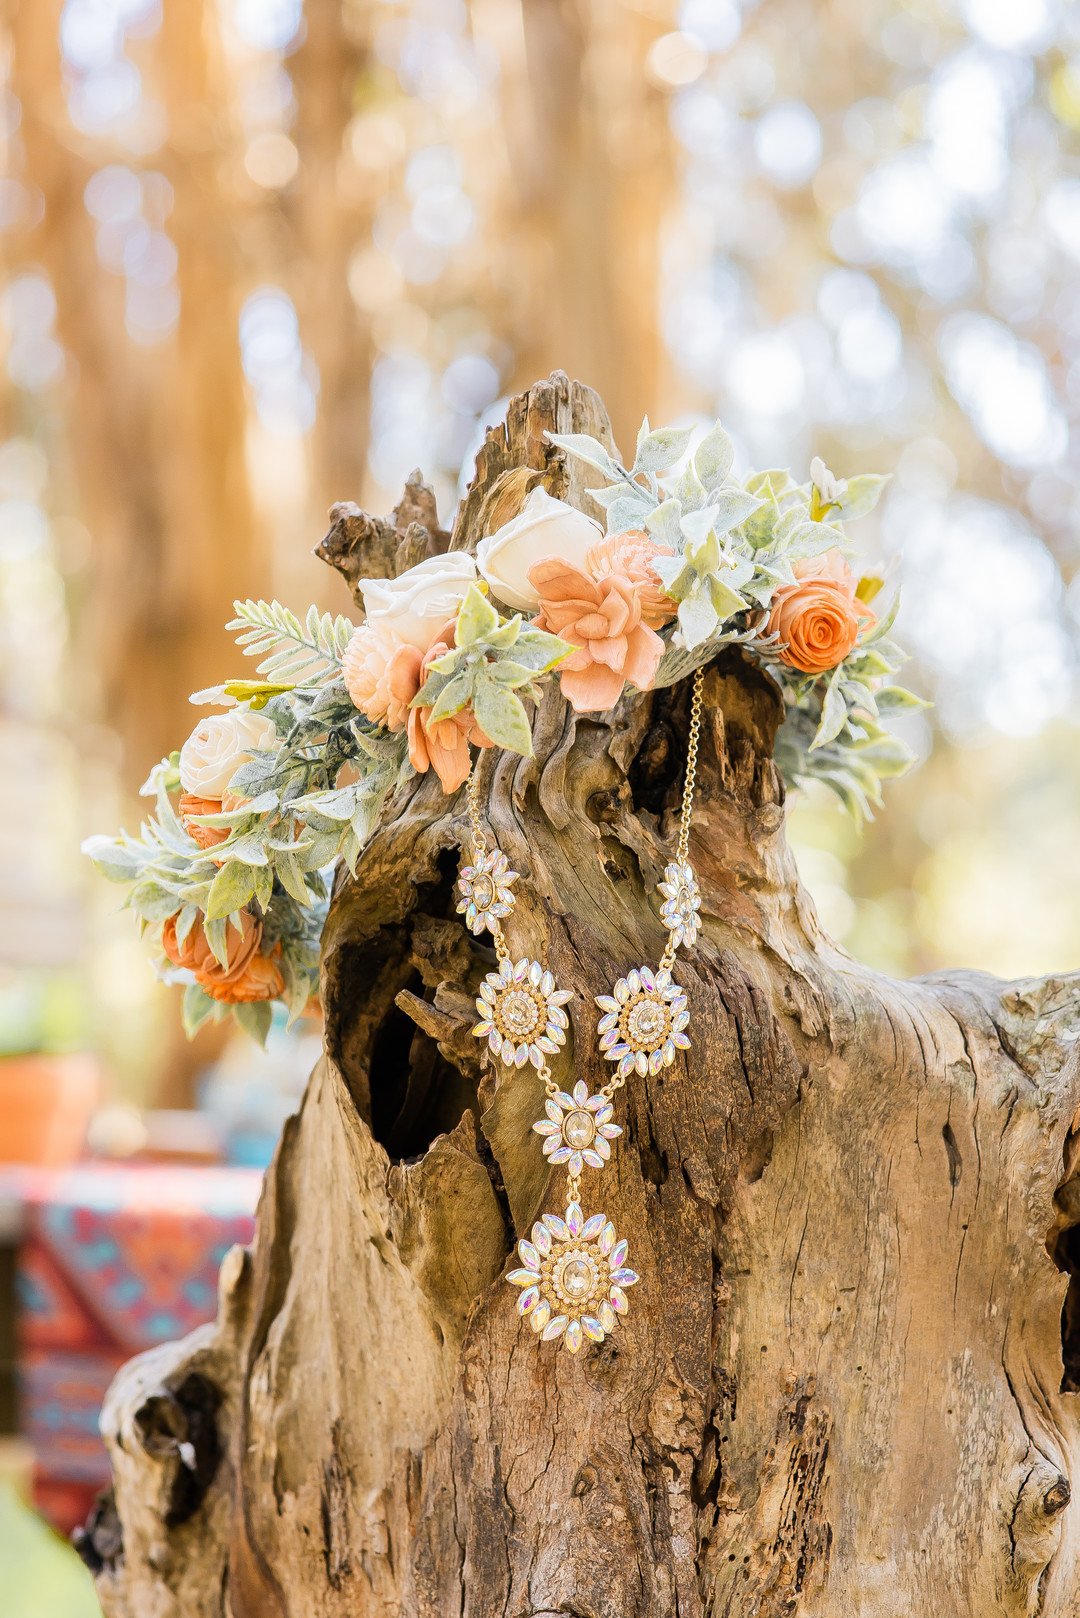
303 653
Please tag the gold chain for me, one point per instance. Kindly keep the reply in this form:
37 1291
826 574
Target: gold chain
686 808
481 846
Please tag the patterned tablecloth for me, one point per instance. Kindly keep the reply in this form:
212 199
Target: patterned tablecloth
111 1260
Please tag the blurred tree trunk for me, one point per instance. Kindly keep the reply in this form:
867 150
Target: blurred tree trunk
590 174
156 440
332 211
846 1382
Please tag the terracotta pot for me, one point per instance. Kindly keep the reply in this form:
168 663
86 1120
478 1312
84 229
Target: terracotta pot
46 1103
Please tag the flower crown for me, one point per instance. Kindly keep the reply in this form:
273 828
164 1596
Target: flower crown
230 876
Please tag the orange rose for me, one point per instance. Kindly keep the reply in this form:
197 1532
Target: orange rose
819 618
249 975
442 745
207 836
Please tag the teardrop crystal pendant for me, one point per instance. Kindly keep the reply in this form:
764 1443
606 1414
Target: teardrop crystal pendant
574 1278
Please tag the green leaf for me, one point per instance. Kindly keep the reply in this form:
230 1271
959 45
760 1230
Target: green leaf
217 936
698 618
501 715
476 618
198 1007
539 651
454 696
587 449
256 693
732 505
437 681
152 901
339 804
833 714
291 878
185 921
664 523
115 861
230 890
255 1019
662 449
726 601
714 456
627 512
264 887
862 494
894 699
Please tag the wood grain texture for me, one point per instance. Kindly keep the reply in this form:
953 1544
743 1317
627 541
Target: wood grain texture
853 1208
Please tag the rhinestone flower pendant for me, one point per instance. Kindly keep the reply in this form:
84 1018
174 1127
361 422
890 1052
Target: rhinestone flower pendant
484 889
574 1278
578 1129
521 1013
682 902
643 1022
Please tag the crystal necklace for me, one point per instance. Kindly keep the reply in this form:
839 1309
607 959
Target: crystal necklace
574 1276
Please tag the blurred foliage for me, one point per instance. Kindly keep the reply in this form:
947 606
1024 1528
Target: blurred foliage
262 254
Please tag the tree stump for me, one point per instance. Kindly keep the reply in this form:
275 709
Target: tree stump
847 1382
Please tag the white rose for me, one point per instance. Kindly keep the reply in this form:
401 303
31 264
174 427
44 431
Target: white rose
543 527
415 605
219 745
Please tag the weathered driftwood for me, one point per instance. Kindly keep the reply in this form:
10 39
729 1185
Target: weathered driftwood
854 1210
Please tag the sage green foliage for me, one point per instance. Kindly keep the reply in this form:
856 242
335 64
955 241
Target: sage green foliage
283 842
491 668
733 544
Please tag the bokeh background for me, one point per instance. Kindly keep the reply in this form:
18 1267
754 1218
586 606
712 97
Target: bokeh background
261 255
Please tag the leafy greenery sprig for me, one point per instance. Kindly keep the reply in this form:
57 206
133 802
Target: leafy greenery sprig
734 544
490 668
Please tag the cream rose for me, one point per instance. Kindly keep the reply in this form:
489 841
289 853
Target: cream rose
417 603
543 527
219 745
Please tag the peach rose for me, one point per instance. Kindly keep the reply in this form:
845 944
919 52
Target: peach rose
382 674
442 745
603 619
819 618
632 554
191 805
250 975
